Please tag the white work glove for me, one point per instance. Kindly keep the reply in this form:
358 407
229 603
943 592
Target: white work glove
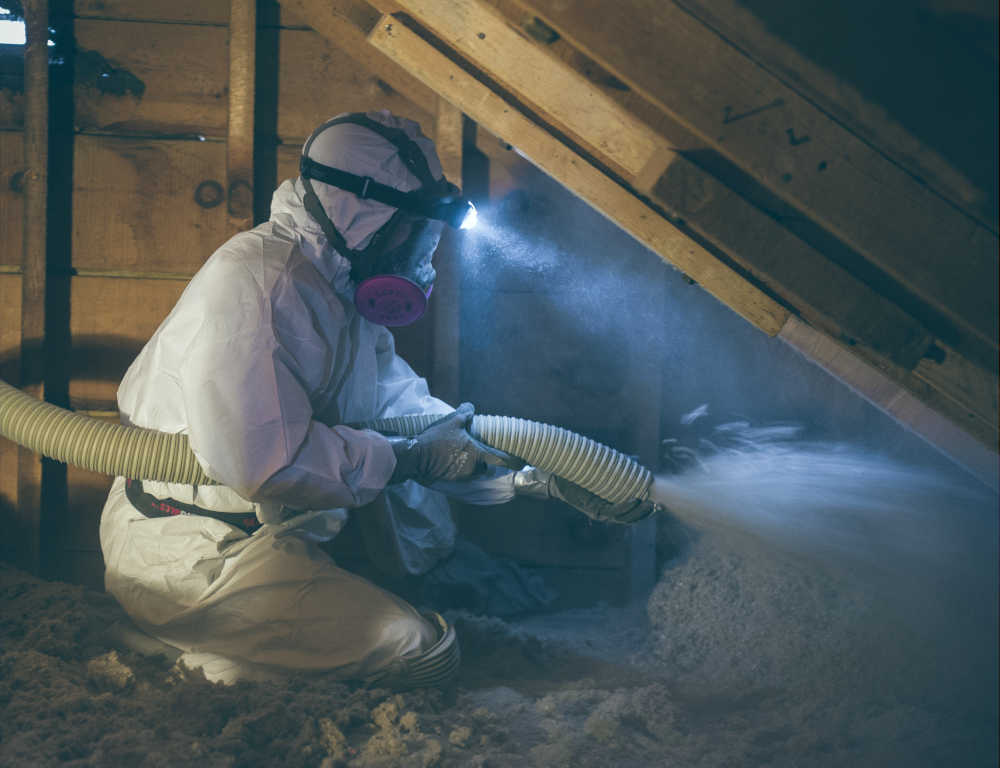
445 451
539 484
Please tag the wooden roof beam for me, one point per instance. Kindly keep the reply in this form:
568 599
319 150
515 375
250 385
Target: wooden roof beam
939 254
589 140
476 100
346 24
607 133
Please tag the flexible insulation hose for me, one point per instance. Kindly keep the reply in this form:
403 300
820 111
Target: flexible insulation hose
601 470
146 454
111 449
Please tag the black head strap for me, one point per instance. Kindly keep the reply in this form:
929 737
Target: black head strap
436 199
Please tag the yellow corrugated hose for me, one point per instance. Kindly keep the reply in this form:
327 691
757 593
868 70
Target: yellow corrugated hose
146 454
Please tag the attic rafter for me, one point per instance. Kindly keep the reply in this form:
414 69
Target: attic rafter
916 293
575 172
942 257
346 24
554 94
617 144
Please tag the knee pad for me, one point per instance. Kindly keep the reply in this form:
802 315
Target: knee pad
433 667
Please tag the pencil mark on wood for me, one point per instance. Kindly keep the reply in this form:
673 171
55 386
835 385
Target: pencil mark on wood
730 118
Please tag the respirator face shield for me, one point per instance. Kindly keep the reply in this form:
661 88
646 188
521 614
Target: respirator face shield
393 273
394 288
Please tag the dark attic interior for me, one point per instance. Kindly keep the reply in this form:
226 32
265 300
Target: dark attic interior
746 250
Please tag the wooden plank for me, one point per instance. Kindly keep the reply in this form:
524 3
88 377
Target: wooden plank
359 14
79 530
8 495
11 196
971 387
11 109
111 321
671 132
10 366
318 79
552 156
136 203
828 296
761 125
895 400
33 267
239 132
150 77
288 20
214 12
288 161
211 12
446 307
340 29
844 102
559 95
10 327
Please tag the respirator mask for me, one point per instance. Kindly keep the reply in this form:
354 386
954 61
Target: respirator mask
393 274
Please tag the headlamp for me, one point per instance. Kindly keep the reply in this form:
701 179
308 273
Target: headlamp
469 221
458 213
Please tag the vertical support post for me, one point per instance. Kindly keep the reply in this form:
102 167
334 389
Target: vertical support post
646 392
240 144
265 128
448 138
33 266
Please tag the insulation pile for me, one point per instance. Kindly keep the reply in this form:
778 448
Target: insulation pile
738 659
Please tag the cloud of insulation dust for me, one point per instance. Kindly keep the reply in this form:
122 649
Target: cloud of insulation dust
833 502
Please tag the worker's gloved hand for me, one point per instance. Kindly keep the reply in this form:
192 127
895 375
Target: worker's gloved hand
445 451
544 485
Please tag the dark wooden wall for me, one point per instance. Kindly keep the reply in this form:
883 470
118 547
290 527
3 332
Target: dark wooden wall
139 124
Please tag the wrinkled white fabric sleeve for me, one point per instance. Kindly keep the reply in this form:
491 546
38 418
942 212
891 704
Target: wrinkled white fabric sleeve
495 487
402 392
250 418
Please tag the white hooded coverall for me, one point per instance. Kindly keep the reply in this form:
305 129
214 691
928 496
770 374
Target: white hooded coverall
261 363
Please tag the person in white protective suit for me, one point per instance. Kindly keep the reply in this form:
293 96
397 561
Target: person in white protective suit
278 342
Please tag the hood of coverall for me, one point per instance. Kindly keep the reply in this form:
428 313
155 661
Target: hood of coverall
357 150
